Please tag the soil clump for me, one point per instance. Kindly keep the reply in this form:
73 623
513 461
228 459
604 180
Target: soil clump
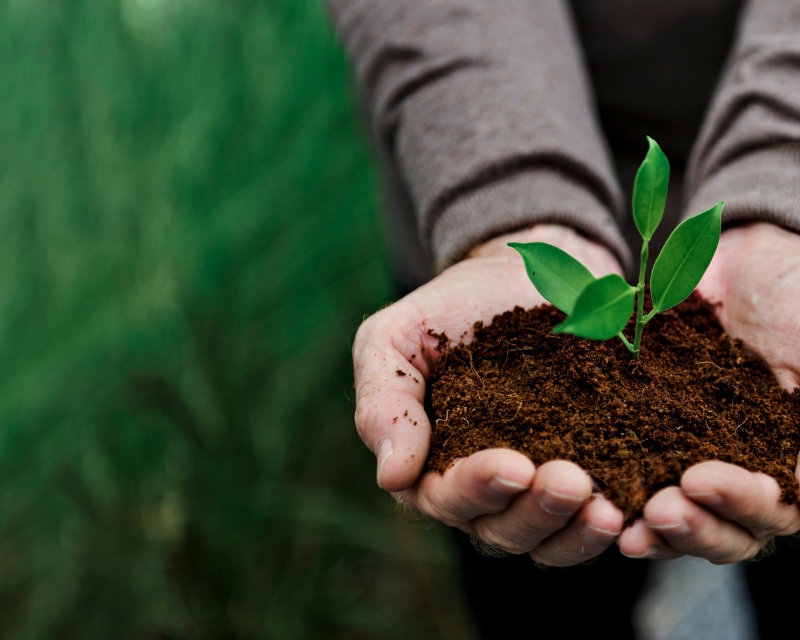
693 394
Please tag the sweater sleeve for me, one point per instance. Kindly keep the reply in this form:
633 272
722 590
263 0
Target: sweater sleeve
748 151
484 108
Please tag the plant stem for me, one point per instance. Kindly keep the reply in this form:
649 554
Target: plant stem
640 320
625 341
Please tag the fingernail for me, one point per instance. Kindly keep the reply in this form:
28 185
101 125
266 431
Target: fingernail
678 529
711 498
503 488
647 554
383 449
595 535
559 504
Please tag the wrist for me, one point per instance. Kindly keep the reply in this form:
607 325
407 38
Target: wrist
596 257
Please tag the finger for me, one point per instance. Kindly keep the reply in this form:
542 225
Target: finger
483 483
559 491
642 543
752 500
592 531
695 531
788 377
390 416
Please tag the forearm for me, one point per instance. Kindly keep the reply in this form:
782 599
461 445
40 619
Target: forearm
748 152
485 110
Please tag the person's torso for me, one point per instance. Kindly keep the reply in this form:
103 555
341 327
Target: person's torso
654 65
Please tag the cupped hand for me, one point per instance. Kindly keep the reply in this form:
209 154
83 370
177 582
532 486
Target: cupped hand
722 512
497 495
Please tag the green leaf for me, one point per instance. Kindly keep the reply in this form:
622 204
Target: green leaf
650 190
685 258
558 276
602 309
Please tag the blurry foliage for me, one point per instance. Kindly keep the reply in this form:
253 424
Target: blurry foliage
188 241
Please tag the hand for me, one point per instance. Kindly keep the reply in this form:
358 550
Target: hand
722 512
495 494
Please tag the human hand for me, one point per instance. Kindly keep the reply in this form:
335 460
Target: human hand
722 512
496 494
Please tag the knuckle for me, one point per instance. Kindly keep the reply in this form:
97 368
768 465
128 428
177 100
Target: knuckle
432 504
766 526
547 560
367 389
707 545
362 334
718 547
364 342
666 552
539 559
364 417
756 525
489 535
731 556
785 530
786 526
753 550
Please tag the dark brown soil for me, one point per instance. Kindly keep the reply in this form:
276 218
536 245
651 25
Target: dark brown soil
635 425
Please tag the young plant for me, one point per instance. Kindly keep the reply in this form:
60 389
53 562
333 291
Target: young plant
599 308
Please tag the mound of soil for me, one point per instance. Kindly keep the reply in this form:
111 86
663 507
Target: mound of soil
635 425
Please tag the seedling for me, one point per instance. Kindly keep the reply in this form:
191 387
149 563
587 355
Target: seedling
600 308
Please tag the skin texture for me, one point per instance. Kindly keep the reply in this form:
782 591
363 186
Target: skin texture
720 512
496 495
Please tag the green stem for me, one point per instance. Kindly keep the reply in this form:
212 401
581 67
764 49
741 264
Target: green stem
640 320
625 341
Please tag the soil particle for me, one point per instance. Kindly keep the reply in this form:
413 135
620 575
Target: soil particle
400 373
635 425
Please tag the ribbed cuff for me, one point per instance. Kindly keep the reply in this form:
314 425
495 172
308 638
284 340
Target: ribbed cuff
762 185
535 197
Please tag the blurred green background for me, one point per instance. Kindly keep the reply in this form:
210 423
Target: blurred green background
190 237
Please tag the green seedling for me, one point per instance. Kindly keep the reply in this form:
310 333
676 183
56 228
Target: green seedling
600 308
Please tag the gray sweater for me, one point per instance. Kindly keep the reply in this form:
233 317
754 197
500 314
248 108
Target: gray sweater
493 115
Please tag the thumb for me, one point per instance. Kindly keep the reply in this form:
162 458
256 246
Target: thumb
390 416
